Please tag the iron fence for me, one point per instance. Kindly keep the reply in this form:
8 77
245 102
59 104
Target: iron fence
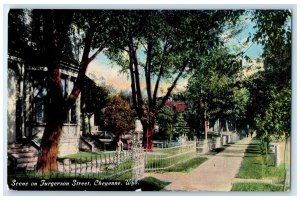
116 165
165 157
128 163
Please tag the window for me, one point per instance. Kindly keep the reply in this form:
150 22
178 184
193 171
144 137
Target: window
40 103
40 106
67 86
73 114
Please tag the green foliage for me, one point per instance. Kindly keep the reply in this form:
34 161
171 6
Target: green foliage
270 89
276 120
165 45
240 101
166 120
188 165
93 97
18 31
181 126
164 162
214 88
83 157
165 158
152 184
257 187
257 165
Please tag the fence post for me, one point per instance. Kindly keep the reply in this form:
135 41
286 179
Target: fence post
92 166
70 169
75 168
277 155
138 160
100 165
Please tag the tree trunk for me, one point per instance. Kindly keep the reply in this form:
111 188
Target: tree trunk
59 107
149 130
49 147
55 118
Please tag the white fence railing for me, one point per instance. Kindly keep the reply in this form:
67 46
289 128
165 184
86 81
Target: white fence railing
166 157
133 163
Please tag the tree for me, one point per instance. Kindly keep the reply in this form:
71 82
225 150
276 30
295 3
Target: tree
163 45
57 35
119 118
55 29
166 119
212 87
240 101
276 121
181 126
271 89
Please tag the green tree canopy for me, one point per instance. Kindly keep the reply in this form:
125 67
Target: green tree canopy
270 89
164 45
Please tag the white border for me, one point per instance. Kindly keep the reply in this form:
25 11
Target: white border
153 4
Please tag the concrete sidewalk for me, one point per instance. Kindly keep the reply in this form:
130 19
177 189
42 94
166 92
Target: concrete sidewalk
216 174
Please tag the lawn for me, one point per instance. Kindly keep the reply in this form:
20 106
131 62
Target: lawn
154 161
257 165
122 171
152 184
256 187
83 157
173 150
183 163
187 166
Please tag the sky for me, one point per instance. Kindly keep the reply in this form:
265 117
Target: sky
103 67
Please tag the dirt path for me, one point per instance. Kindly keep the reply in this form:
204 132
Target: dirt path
216 174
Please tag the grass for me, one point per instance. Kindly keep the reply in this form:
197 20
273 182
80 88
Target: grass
257 165
82 157
152 184
185 163
171 150
108 173
163 161
166 157
256 187
187 166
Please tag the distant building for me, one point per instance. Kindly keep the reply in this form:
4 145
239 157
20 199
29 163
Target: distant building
177 105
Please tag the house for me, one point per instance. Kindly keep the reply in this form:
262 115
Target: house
27 106
177 105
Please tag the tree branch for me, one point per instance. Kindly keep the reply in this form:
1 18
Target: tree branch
157 84
160 73
148 73
136 81
87 45
82 70
166 97
133 89
95 55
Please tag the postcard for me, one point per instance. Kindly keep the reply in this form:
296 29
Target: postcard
190 100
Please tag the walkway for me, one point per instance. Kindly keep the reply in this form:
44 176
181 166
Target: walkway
216 174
